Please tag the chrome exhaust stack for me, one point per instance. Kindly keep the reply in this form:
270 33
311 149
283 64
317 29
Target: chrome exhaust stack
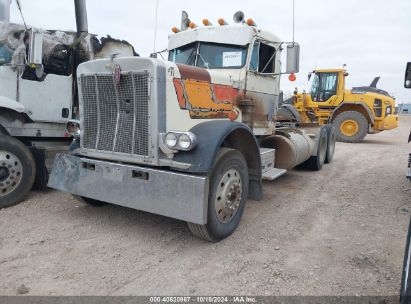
5 11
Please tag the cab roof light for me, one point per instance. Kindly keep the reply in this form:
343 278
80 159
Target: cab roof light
207 22
222 22
192 25
250 22
175 30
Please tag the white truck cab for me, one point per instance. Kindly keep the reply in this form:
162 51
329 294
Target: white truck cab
193 137
38 96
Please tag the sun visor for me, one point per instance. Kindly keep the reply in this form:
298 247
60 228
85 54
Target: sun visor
235 35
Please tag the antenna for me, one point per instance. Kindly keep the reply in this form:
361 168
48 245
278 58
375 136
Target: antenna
155 30
293 21
21 13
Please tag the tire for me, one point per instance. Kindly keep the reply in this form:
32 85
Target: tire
331 140
17 171
230 174
316 163
355 124
90 201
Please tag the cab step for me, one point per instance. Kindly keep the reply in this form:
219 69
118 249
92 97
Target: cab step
274 174
269 172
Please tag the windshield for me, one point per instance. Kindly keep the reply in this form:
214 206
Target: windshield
210 55
324 86
185 54
5 54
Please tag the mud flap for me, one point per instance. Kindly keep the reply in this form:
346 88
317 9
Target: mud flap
42 175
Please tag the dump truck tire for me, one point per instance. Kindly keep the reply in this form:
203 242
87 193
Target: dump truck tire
316 163
90 201
227 197
17 171
331 141
351 126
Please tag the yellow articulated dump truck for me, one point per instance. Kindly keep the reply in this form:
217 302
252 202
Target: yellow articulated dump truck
354 113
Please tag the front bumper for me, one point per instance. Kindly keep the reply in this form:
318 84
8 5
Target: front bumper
167 193
390 122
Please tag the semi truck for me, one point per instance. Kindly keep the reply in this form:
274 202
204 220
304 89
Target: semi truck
354 113
38 96
193 137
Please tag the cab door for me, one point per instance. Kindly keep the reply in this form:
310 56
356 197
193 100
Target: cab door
261 82
324 89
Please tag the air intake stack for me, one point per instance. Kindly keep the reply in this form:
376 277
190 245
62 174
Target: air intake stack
5 11
81 16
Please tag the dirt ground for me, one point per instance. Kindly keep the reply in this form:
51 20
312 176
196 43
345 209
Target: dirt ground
340 231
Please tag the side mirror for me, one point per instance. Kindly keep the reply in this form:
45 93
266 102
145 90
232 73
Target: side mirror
35 48
309 76
407 83
293 58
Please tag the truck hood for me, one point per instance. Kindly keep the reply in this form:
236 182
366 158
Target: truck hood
11 104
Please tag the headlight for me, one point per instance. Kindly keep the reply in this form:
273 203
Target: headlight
185 141
171 140
73 128
180 141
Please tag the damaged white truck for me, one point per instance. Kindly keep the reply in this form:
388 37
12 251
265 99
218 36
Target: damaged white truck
193 137
38 96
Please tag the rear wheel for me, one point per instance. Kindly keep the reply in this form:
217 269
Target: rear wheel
227 197
316 163
351 126
17 171
331 140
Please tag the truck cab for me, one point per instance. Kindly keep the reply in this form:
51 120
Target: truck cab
38 96
242 65
328 101
192 137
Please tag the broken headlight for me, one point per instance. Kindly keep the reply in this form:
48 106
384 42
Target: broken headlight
73 128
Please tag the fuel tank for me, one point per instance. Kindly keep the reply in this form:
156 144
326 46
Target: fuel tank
293 147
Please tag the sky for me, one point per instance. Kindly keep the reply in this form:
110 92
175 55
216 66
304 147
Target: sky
372 37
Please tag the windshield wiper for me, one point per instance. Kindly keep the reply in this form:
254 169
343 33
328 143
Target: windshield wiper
206 65
191 55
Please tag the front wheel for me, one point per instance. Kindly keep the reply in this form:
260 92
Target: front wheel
17 171
351 126
227 197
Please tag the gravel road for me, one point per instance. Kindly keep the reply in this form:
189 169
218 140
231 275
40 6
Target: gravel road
340 231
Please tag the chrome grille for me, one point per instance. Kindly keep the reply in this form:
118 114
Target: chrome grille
116 116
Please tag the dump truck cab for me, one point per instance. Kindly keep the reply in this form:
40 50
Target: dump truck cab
355 113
